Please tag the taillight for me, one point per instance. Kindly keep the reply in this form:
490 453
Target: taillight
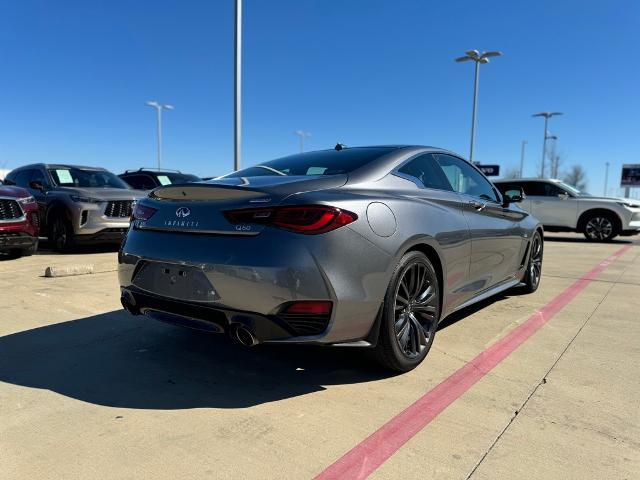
307 219
142 212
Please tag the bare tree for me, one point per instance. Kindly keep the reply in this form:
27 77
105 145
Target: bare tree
512 173
577 177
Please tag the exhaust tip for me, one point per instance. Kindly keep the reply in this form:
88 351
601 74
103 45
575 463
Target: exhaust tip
245 337
129 303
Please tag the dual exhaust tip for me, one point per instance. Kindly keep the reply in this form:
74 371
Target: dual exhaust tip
238 332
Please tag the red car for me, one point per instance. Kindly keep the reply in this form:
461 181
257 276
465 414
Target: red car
18 221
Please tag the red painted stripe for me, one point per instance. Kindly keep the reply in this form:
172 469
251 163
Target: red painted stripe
367 456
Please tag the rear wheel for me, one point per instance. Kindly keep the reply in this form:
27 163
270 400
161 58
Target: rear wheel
62 236
534 267
600 227
410 314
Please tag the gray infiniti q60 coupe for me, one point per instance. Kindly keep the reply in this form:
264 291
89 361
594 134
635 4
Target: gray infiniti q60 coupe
366 246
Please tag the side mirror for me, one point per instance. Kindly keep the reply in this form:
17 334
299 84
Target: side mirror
36 186
563 196
513 194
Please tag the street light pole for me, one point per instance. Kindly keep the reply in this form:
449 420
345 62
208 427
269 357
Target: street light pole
547 116
606 178
553 164
524 143
159 107
302 136
478 58
237 98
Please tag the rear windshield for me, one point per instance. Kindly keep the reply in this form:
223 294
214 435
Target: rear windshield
86 178
325 162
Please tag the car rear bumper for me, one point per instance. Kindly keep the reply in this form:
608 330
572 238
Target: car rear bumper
253 277
266 328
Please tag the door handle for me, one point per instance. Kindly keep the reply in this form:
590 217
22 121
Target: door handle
479 206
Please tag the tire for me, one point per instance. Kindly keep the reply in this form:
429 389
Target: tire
533 274
600 227
408 325
61 235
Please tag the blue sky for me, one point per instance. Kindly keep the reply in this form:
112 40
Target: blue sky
76 74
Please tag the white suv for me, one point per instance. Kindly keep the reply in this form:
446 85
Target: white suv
560 207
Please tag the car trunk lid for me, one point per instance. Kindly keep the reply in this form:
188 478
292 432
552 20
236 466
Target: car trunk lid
200 207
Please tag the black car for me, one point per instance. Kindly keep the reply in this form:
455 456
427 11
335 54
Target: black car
148 179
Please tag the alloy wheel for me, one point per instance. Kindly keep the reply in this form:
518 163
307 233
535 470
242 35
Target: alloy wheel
535 264
415 309
59 234
599 228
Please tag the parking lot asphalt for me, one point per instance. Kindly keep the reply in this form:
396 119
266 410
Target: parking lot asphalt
87 391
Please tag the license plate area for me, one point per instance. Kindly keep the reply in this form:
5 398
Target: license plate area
181 282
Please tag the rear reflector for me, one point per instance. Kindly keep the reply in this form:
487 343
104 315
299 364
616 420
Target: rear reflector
311 307
307 219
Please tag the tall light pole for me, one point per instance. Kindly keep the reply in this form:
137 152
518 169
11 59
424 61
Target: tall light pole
159 107
524 144
478 58
554 160
547 116
302 136
606 178
237 96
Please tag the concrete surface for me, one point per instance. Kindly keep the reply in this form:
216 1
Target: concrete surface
86 391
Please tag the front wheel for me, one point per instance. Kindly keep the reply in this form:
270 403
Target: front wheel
600 228
62 236
533 274
410 314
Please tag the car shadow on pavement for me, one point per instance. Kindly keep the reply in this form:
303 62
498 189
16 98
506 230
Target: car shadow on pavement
117 360
45 248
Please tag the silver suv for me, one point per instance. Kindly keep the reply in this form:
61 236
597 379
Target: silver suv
78 204
561 207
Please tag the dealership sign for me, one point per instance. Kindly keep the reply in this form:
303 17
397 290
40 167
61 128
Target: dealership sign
630 175
489 170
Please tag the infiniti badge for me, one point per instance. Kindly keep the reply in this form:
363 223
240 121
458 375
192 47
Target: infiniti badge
183 212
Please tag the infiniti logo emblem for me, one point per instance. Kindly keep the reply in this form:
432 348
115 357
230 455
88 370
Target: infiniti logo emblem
183 212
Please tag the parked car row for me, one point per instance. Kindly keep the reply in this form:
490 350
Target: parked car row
71 204
80 205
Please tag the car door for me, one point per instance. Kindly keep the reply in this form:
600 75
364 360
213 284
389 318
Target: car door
38 176
496 239
451 234
552 205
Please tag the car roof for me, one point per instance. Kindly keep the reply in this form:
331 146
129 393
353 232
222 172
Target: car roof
151 170
528 179
60 165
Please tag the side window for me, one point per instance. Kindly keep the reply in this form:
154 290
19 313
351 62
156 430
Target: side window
38 176
536 189
503 187
551 190
22 178
466 179
140 182
425 169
